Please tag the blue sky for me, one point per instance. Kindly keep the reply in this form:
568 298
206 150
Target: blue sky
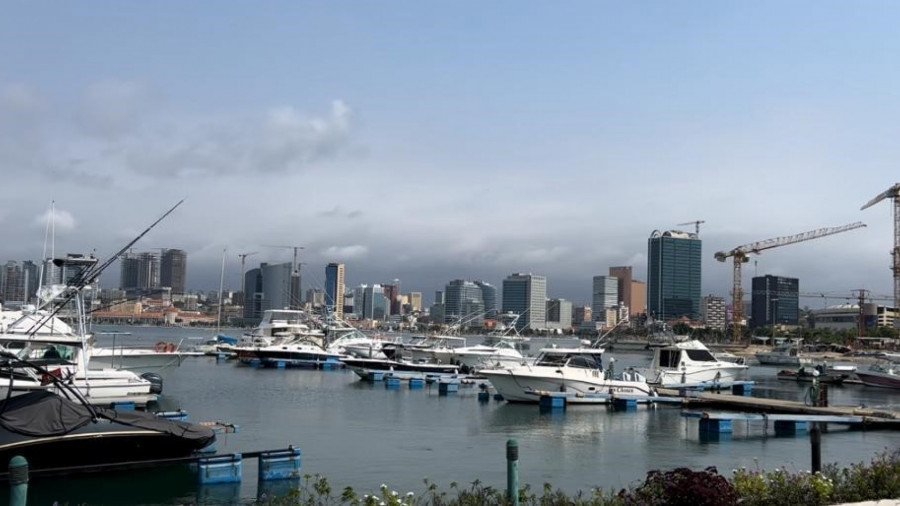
430 141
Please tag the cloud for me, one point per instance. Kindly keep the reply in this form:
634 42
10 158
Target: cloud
339 212
113 108
62 220
280 140
345 252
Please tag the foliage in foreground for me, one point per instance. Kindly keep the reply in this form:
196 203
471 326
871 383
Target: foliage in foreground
878 479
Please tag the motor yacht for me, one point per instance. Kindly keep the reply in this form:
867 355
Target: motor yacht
689 362
422 348
403 369
296 353
282 325
159 359
577 370
65 433
493 352
787 353
884 375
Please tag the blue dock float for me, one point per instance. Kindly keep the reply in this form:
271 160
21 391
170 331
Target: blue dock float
123 406
416 382
220 469
785 424
498 397
391 382
624 404
484 396
280 364
374 376
744 387
552 402
447 387
279 465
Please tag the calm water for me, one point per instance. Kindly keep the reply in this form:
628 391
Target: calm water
363 435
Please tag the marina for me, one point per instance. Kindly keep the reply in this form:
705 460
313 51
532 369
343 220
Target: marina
456 437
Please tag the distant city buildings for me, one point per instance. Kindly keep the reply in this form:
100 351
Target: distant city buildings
148 271
774 300
673 275
526 295
414 300
463 302
18 283
605 295
559 314
271 286
173 270
581 314
712 312
334 289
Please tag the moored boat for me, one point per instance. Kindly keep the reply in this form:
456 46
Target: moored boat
689 362
886 375
576 370
402 369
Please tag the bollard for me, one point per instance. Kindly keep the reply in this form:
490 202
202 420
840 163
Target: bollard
512 472
18 481
815 440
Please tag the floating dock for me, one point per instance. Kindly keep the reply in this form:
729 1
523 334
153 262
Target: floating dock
873 418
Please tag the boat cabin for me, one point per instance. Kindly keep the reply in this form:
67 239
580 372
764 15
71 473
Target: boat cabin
582 358
673 357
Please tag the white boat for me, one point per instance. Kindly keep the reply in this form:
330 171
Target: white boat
422 348
576 370
493 352
55 344
296 353
726 356
689 362
281 325
786 353
159 359
885 375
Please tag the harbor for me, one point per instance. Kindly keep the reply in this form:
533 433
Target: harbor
362 434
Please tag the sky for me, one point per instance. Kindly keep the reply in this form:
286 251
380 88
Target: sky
430 141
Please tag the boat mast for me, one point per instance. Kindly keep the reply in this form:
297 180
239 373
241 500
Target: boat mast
221 285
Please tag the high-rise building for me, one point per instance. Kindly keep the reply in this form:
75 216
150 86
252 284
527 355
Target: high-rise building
605 296
173 269
638 297
270 287
315 297
712 311
414 299
526 296
673 274
559 314
462 299
439 297
489 296
623 275
391 292
774 299
334 289
139 271
581 314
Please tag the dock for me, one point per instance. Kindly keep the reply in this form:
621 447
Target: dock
872 417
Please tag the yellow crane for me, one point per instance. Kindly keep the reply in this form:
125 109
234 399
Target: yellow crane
696 225
892 193
740 254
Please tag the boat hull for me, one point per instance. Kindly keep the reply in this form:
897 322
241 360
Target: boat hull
722 372
880 380
524 384
158 363
403 370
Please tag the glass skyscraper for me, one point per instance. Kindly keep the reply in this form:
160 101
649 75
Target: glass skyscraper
334 289
673 275
526 296
774 298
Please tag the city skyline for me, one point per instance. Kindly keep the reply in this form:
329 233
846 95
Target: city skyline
555 154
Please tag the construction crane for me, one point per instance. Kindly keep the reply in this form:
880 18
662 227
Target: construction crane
696 225
295 275
892 193
740 256
243 257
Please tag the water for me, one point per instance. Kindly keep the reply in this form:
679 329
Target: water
362 435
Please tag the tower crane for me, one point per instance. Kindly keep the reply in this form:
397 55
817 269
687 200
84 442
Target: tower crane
695 223
892 193
243 257
740 256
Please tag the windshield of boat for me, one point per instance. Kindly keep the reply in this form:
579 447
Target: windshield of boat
700 355
570 359
32 351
